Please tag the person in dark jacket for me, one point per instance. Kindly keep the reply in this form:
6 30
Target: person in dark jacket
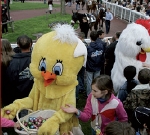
19 76
85 26
110 55
4 19
94 60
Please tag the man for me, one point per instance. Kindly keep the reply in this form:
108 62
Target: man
110 55
108 19
20 79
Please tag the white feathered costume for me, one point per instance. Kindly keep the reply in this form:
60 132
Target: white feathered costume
134 39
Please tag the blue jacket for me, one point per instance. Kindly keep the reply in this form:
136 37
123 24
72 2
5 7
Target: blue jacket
122 95
99 40
95 57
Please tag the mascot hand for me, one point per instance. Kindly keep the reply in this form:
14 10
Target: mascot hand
11 110
48 128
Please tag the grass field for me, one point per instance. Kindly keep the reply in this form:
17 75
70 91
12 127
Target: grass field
34 25
17 5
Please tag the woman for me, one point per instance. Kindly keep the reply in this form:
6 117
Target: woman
6 56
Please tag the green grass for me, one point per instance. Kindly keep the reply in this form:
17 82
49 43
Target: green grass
86 126
34 25
29 5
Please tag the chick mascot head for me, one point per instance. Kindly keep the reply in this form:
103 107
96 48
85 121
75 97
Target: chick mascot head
56 60
131 49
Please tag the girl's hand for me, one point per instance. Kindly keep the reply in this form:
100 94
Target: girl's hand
69 133
146 65
69 109
17 125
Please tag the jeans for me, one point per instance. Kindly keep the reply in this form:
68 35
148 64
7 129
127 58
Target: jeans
107 25
77 6
90 76
80 78
93 131
69 3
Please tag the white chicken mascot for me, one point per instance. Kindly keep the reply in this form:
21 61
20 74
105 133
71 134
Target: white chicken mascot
131 49
56 60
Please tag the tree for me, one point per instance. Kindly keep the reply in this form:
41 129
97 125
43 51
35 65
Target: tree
63 10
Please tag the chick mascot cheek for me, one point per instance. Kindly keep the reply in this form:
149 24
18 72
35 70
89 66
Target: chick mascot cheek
56 60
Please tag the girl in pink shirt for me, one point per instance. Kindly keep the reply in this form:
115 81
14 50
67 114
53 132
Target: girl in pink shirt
101 107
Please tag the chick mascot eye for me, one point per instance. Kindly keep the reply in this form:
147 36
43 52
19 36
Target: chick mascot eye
42 65
58 68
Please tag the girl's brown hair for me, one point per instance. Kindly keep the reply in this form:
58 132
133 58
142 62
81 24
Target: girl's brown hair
119 128
7 52
103 82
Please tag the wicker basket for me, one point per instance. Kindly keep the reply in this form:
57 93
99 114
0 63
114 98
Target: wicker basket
39 113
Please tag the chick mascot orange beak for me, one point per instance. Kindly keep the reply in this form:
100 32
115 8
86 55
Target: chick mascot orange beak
56 60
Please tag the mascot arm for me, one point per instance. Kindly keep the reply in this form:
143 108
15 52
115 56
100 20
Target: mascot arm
52 124
11 110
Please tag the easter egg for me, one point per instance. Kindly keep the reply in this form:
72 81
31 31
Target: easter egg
7 112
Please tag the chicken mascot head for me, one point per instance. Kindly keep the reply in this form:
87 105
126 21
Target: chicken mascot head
131 49
56 60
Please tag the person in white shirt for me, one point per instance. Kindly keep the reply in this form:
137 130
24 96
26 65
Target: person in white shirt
108 19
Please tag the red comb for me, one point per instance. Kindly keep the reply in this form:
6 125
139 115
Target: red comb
145 23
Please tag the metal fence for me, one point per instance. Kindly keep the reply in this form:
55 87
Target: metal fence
125 13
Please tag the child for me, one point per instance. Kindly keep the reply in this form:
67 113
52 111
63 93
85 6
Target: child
141 121
102 106
69 133
119 128
8 123
129 74
139 96
50 6
95 59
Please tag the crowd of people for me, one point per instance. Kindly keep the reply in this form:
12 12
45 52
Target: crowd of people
108 111
94 81
138 5
119 119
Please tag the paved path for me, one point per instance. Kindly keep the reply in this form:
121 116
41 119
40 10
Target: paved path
116 24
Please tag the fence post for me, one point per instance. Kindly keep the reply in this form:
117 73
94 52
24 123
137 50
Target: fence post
130 16
121 13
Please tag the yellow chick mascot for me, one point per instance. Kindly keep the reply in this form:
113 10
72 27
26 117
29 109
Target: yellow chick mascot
56 60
